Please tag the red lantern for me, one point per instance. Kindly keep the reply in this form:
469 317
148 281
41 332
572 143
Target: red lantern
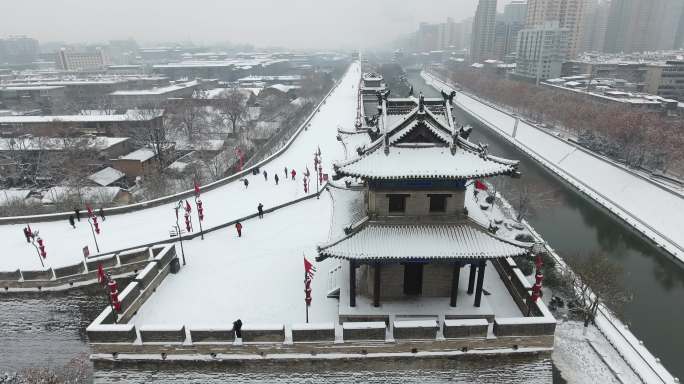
200 209
113 287
41 247
197 189
101 277
188 208
307 291
90 211
536 292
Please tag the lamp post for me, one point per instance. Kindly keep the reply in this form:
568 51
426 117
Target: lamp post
318 168
200 209
111 289
94 226
39 244
537 249
178 206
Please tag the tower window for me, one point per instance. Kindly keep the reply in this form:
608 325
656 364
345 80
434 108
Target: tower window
397 203
438 203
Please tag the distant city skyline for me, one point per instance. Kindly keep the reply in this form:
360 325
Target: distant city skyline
292 24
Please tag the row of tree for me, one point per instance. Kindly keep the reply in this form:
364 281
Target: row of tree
639 138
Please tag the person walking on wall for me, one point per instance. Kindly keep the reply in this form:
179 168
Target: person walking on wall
238 228
260 208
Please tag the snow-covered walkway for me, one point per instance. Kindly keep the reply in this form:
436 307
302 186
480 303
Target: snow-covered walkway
64 244
258 277
649 208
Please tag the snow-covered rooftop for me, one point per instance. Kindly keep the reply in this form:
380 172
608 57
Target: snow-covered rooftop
284 88
58 143
106 176
142 154
271 78
156 91
376 241
10 195
91 194
420 162
79 118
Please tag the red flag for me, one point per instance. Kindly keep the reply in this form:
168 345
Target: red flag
480 185
101 277
309 268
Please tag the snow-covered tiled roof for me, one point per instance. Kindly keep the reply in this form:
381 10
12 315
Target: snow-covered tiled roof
393 242
142 154
106 176
420 162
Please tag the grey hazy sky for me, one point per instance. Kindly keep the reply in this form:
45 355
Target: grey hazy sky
289 23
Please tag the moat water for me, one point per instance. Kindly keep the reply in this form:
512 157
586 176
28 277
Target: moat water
575 227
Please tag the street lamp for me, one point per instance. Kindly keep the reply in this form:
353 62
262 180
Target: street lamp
94 226
200 209
178 206
537 249
39 244
111 289
318 162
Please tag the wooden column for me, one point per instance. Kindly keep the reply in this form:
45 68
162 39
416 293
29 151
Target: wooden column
471 278
480 281
352 283
376 285
454 283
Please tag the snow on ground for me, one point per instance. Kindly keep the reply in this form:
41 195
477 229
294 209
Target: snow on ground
64 244
578 359
639 199
258 277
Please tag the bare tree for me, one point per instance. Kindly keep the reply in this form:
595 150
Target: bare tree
233 105
155 134
188 118
595 279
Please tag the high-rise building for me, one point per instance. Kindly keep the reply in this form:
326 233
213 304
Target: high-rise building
506 39
508 25
679 38
541 51
484 28
595 24
515 12
18 50
427 37
568 13
81 61
643 25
